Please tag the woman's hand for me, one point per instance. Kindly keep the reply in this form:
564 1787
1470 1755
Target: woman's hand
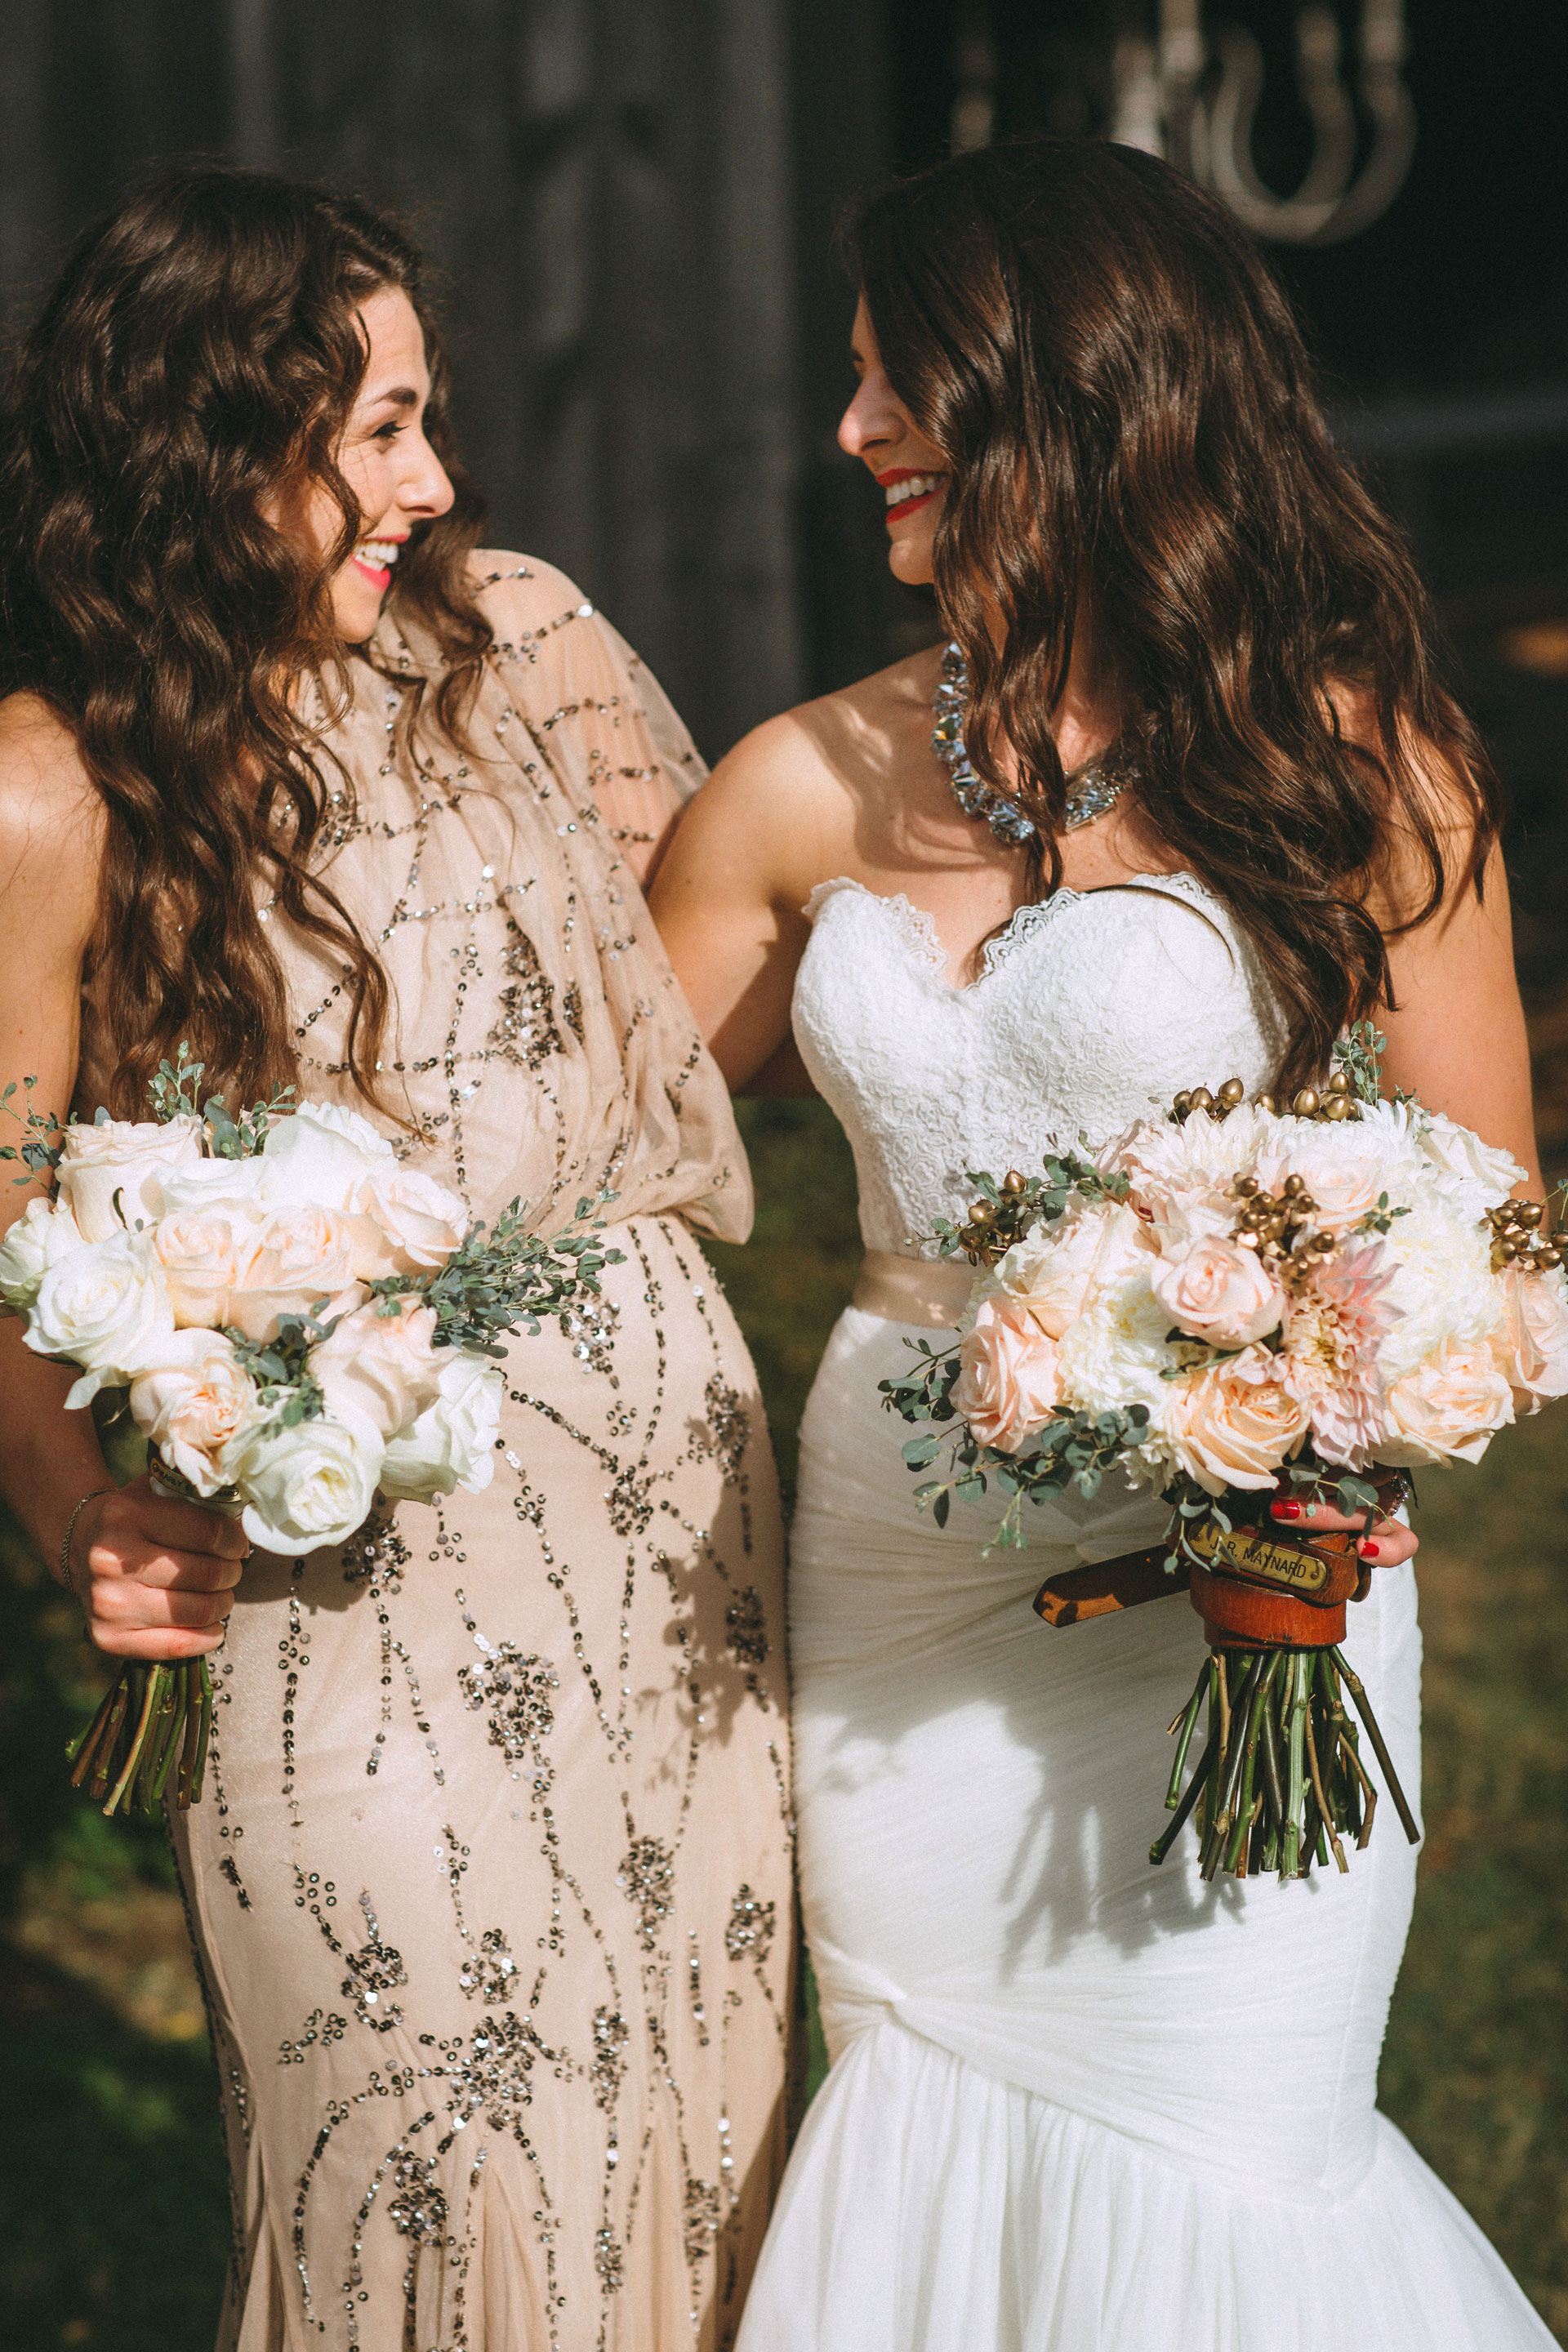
155 1575
1386 1543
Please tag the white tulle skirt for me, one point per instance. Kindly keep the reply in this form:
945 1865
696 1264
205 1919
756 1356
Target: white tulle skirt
1076 2104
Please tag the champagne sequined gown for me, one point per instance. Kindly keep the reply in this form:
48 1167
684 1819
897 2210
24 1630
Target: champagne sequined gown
491 1885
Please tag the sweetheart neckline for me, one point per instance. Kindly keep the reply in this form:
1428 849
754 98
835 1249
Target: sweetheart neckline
918 926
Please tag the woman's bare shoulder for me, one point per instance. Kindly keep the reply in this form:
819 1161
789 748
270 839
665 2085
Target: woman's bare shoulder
840 743
51 816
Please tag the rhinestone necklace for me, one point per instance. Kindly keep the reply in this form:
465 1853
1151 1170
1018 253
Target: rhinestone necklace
1094 787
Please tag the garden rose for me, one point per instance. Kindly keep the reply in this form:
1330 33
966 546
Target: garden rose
203 1252
1346 1166
301 1259
381 1365
121 1156
1530 1345
1233 1423
42 1235
1217 1291
1009 1383
1448 1409
196 1406
319 1155
403 1221
105 1307
452 1443
1049 1273
310 1484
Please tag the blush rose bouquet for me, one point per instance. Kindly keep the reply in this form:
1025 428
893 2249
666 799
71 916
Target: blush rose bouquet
294 1320
1222 1302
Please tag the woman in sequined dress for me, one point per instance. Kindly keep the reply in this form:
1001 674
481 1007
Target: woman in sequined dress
1078 2104
490 1890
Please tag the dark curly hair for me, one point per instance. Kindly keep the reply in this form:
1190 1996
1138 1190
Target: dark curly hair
1130 418
199 353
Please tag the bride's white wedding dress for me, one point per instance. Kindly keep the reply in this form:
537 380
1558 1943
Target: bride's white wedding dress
1076 2104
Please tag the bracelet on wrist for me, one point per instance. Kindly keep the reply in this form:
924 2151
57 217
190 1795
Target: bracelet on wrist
66 1578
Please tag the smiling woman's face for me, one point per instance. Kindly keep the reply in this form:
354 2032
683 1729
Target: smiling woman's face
912 471
387 463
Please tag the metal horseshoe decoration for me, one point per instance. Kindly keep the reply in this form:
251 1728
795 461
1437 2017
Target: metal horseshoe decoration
1198 108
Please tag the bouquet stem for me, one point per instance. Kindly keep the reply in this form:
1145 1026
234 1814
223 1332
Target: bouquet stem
1281 1779
148 1739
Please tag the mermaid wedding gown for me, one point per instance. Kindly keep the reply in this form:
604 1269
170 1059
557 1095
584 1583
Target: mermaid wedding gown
1076 2104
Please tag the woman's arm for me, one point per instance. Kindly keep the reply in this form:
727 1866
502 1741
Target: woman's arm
729 896
1456 1034
156 1576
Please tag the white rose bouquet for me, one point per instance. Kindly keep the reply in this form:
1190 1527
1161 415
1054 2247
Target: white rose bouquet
1222 1301
296 1321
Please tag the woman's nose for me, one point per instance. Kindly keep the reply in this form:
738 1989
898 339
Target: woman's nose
426 488
868 423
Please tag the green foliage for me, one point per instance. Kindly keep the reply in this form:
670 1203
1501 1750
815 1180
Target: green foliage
505 1281
36 1151
1359 1054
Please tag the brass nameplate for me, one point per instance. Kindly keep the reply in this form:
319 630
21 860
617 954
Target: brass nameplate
1247 1553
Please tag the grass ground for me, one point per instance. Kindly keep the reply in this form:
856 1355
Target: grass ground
109 2162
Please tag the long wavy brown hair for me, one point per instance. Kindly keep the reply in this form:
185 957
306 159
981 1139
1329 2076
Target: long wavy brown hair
201 352
1133 431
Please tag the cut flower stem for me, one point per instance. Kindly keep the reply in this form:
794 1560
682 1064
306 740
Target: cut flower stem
1281 1783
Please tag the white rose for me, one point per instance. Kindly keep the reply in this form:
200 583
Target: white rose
319 1155
105 1307
381 1365
123 1157
452 1443
1217 1291
196 1406
310 1484
226 1185
42 1235
1448 1409
1444 1287
203 1252
301 1259
1530 1343
403 1221
1459 1152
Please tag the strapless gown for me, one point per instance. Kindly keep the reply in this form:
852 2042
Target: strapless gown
1076 2104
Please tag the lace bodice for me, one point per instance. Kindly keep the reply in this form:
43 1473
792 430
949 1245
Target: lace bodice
1091 1010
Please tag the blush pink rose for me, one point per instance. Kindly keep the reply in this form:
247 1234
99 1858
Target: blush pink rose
1448 1409
204 1252
196 1406
1009 1383
382 1366
1531 1344
1215 1290
1232 1426
298 1257
403 1221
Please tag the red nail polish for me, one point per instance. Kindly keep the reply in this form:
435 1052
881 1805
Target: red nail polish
1285 1510
1369 1550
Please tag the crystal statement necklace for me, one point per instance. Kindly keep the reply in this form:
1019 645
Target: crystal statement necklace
1095 787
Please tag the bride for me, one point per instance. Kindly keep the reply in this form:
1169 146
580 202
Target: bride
1215 805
